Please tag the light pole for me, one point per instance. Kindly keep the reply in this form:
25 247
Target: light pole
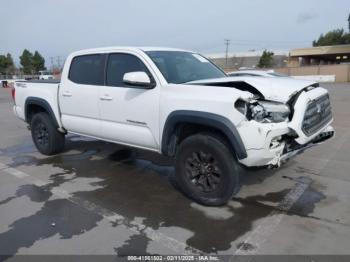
227 43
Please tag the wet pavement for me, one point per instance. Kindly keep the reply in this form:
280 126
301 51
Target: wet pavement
101 198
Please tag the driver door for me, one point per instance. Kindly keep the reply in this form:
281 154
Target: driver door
129 114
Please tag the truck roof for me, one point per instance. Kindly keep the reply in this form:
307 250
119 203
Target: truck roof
128 48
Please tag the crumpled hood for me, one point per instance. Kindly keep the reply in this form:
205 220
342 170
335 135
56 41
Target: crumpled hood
279 89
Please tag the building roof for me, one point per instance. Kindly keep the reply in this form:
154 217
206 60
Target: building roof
321 50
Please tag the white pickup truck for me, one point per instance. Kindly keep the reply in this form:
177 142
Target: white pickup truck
179 104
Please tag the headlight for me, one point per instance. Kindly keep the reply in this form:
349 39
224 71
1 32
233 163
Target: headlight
264 111
268 112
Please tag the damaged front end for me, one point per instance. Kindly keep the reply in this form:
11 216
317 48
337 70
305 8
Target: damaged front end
283 117
274 132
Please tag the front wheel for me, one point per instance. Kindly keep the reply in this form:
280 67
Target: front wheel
206 169
45 136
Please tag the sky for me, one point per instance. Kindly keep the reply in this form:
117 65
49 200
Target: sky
58 27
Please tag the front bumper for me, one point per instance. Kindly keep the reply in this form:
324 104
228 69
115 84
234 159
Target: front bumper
277 155
327 134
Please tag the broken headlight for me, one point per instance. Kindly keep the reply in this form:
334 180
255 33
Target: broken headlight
268 111
263 111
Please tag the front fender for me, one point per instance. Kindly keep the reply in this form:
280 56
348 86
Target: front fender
217 122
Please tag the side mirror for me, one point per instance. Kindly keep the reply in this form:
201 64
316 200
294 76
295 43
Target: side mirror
140 79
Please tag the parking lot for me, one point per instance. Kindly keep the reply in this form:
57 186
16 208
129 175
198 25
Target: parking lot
98 198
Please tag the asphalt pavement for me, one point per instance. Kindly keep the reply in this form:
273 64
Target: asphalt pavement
99 198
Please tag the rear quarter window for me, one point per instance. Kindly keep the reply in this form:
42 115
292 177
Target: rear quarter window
87 69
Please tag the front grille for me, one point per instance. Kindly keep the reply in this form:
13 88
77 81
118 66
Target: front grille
317 114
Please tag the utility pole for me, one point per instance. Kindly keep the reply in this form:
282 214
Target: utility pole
227 43
52 66
58 62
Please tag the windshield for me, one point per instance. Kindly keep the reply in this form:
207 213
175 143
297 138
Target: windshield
180 67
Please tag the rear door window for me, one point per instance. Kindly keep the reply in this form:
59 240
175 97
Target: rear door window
87 69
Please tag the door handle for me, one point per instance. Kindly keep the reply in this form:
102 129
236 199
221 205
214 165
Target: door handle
106 98
67 94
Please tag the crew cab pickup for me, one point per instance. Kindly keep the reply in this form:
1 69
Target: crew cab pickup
177 103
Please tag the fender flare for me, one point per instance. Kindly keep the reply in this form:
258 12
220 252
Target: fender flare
42 103
206 119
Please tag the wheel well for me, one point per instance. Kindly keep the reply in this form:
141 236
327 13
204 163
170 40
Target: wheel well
184 130
33 109
182 123
34 105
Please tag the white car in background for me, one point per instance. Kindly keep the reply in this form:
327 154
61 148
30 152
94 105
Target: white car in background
45 75
272 74
261 73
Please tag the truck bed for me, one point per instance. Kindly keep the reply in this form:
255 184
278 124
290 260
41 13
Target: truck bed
44 92
51 81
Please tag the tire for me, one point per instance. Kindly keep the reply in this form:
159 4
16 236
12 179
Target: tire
45 135
206 169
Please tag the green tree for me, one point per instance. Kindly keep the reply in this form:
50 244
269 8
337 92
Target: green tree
334 37
10 64
266 59
38 62
6 64
26 61
2 64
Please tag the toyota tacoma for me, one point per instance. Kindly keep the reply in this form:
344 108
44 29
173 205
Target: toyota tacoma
179 104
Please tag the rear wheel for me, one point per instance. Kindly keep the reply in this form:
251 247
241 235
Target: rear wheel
206 169
45 136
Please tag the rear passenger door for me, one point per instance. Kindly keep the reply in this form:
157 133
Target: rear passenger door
79 95
129 114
